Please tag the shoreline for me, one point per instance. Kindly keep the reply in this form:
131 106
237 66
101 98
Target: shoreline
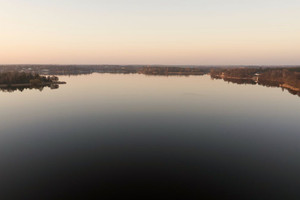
284 85
289 87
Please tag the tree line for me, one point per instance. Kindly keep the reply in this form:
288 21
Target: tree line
8 78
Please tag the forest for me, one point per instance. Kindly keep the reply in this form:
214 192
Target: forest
168 71
121 69
15 78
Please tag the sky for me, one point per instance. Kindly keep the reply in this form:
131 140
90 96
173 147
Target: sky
197 32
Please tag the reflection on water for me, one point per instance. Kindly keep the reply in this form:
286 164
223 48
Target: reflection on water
262 83
135 135
22 88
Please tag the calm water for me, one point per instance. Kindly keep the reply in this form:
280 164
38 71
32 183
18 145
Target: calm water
150 135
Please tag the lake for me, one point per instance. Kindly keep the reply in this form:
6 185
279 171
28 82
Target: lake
138 135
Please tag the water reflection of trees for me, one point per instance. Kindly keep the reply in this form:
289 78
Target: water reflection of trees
22 88
240 81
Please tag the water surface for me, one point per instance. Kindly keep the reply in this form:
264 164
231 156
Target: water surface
133 134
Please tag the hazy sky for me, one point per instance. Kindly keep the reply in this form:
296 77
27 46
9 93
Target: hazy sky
150 31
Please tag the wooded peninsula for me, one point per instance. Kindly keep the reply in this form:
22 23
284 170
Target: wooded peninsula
10 81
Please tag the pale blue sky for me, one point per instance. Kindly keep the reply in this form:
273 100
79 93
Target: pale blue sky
150 32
